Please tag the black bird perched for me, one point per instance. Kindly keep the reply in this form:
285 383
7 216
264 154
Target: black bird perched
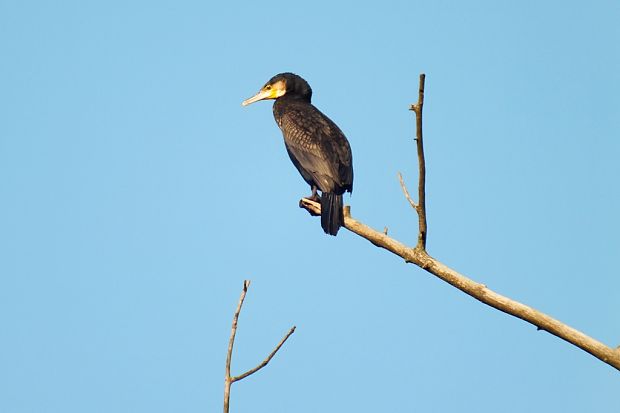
315 144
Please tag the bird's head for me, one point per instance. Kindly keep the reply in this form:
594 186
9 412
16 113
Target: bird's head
288 84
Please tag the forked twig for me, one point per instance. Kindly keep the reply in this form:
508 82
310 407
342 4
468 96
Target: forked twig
228 379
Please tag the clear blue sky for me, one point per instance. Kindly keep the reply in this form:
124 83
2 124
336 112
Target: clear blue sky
137 194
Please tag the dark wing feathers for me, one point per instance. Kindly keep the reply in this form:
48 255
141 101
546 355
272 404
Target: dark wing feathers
318 148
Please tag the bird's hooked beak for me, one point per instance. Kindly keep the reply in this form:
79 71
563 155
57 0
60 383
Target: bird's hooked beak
269 91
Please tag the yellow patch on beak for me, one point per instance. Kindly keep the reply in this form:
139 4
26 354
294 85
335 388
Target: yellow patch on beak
272 91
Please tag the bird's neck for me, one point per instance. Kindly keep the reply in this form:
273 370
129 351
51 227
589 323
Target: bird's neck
293 98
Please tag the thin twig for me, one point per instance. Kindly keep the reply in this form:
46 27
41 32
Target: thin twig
421 205
233 331
231 343
228 380
267 360
480 292
406 192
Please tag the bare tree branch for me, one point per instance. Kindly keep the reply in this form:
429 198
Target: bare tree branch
480 292
266 361
228 380
421 205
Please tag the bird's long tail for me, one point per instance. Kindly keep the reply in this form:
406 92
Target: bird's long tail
332 217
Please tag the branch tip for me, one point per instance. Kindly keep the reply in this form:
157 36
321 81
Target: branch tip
266 361
406 192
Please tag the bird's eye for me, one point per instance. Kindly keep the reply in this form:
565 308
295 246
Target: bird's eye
268 87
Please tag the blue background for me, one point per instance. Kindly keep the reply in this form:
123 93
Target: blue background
136 194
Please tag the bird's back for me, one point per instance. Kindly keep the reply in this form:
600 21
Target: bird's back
316 145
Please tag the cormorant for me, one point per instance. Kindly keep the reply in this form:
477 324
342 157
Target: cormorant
315 144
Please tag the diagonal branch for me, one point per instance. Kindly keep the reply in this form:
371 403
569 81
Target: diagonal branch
228 379
266 361
480 292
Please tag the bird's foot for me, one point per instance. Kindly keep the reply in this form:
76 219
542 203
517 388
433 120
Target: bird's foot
315 195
